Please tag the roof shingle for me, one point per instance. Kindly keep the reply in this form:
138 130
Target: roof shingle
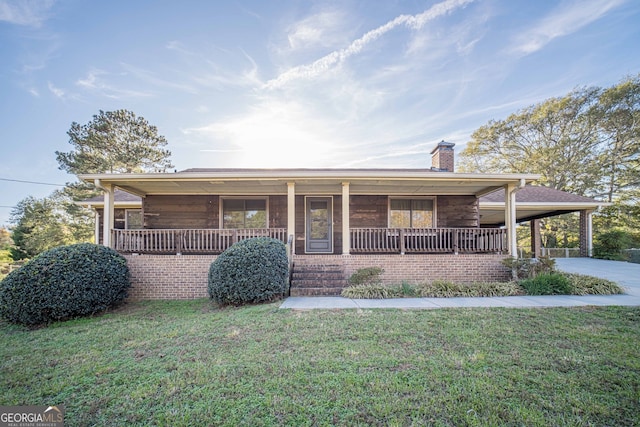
537 194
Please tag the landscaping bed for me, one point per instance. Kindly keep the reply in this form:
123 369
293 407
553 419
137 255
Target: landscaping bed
578 284
539 278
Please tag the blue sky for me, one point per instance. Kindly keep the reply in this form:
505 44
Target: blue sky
253 83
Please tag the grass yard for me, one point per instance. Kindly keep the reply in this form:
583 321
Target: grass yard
190 363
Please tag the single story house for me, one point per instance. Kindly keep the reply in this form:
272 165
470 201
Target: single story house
417 224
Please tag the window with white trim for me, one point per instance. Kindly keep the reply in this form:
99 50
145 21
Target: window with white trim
244 213
411 213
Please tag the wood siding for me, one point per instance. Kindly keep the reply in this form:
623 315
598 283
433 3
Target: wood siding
458 211
369 211
172 212
277 211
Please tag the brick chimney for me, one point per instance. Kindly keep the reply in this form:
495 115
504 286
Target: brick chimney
442 157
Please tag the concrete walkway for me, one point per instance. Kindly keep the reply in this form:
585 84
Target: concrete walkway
625 274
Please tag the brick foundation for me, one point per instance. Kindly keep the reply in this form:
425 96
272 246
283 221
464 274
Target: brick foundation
156 277
424 268
185 276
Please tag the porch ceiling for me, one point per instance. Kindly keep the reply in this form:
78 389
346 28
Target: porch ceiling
493 214
534 202
313 181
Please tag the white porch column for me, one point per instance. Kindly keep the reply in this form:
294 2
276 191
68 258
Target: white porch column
346 235
291 213
96 231
590 233
108 214
510 218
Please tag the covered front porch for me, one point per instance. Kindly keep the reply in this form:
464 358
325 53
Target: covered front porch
318 212
361 240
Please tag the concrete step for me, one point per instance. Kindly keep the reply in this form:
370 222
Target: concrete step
312 279
303 275
318 284
313 292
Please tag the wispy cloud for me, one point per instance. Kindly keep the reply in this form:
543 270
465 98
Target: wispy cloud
56 91
201 71
216 77
25 12
37 46
564 20
222 151
361 115
399 152
324 64
150 77
91 81
320 29
95 82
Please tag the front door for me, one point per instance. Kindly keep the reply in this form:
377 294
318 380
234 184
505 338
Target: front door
319 231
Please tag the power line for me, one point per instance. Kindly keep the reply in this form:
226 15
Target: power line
31 182
3 206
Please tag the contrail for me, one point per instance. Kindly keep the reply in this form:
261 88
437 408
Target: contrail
414 22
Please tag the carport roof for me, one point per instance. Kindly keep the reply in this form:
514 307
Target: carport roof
533 202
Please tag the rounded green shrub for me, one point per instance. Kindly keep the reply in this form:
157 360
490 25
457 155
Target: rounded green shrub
64 282
251 271
548 284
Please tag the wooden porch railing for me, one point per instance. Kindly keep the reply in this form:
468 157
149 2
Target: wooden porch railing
363 240
428 240
201 241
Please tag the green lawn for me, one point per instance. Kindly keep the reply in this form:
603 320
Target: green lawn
190 363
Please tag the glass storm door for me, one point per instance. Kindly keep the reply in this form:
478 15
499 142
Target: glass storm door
318 227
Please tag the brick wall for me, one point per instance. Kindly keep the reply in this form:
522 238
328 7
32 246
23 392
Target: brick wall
168 276
185 276
421 268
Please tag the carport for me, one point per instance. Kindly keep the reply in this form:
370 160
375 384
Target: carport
536 202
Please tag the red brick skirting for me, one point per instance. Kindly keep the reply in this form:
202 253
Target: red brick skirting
185 276
168 276
423 268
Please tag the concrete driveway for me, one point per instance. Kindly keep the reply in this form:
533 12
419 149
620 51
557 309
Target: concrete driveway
626 274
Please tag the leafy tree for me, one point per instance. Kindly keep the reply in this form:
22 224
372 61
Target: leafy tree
586 142
610 244
40 225
557 139
5 239
5 244
115 141
618 115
